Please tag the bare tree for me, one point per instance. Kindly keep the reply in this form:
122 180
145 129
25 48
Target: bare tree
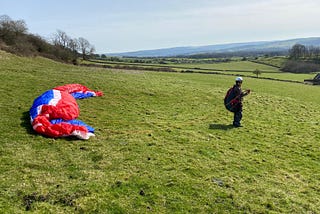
313 52
73 44
61 39
10 29
92 50
297 51
85 47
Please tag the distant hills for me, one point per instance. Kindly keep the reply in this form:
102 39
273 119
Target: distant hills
263 46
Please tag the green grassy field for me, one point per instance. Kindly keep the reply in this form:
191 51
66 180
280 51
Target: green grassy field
235 67
163 144
221 66
277 61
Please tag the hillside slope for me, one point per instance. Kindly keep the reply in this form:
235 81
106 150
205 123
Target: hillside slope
163 144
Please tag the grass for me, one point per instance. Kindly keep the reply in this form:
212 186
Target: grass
221 66
233 65
277 61
163 144
237 67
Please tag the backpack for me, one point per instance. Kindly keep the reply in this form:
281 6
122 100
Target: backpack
229 100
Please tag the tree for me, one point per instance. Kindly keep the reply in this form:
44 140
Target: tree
61 39
297 51
92 50
257 72
314 52
73 45
85 47
14 38
294 66
10 30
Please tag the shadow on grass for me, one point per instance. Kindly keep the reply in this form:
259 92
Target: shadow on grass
221 126
25 123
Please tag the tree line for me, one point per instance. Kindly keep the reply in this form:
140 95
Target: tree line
14 38
299 51
302 59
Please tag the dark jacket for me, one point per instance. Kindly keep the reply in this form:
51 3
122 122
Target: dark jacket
238 94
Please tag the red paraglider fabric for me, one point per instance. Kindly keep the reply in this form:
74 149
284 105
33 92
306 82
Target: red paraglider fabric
54 113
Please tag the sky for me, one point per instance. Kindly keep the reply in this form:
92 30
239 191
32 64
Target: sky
114 26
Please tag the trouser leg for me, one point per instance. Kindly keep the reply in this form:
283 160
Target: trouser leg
237 118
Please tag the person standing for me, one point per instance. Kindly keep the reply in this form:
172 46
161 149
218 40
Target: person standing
233 101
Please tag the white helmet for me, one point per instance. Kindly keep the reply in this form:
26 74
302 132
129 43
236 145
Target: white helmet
239 79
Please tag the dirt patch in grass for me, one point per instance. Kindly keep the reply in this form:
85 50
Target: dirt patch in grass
62 198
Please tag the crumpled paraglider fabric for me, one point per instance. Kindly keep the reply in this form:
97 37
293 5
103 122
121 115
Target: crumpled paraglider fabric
54 113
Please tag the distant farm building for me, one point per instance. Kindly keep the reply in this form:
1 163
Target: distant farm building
314 81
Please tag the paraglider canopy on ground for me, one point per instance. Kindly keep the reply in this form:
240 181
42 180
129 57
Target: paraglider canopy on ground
54 113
